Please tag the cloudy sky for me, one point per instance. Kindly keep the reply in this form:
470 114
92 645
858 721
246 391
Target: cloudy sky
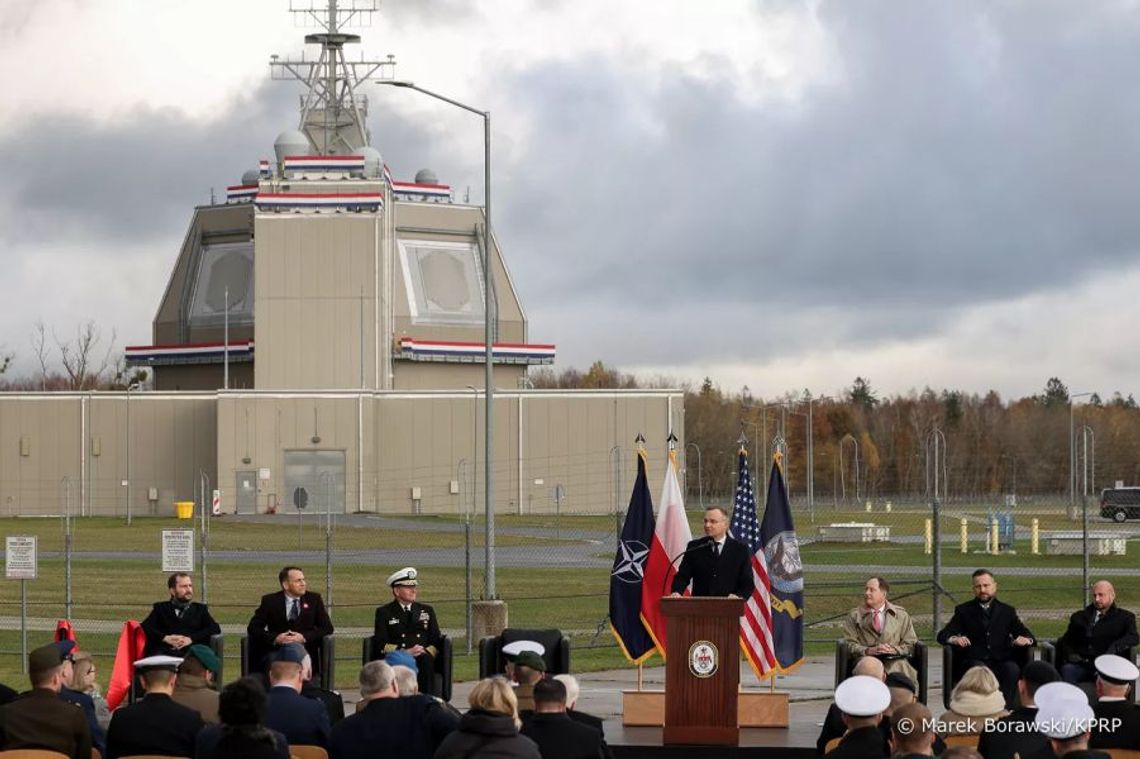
778 194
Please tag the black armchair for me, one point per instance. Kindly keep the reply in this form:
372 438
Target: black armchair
919 659
444 663
954 666
557 656
324 669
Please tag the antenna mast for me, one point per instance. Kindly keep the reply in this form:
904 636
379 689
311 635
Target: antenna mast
333 116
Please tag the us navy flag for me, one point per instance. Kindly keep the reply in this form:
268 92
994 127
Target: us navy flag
629 571
785 573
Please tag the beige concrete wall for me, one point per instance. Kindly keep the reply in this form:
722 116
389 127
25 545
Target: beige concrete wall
203 376
315 276
84 437
418 375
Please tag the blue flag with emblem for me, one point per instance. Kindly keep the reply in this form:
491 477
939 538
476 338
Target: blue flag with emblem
785 573
629 571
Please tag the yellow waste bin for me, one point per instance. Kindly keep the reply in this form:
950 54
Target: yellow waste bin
184 509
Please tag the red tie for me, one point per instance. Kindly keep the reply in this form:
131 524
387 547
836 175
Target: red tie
877 622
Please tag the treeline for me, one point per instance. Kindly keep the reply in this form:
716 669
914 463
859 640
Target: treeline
864 446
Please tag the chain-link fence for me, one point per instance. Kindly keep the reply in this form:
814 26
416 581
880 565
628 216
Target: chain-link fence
552 566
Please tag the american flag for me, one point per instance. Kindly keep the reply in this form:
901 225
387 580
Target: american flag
756 624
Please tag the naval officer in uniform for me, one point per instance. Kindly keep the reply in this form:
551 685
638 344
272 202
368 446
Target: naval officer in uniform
406 624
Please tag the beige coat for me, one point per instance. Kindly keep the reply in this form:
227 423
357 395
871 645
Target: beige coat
898 631
193 692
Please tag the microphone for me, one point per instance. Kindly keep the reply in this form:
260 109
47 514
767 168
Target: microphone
699 543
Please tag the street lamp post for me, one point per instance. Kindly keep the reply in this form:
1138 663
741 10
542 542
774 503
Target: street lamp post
1073 456
488 377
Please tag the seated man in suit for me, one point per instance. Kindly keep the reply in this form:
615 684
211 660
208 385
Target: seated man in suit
155 725
716 564
558 736
1102 627
573 690
291 615
179 622
303 721
879 628
1115 675
333 701
405 624
988 631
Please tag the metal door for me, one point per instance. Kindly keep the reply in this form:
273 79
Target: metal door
321 474
245 501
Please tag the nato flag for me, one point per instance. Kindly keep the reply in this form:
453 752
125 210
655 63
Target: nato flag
629 572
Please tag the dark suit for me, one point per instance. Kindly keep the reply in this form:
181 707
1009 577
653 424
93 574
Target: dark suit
270 620
333 702
7 695
39 719
1125 736
861 743
1006 740
165 619
594 722
991 641
412 726
396 629
216 742
154 725
301 720
559 737
834 727
1083 641
712 575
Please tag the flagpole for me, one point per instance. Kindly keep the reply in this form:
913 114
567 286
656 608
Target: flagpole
639 675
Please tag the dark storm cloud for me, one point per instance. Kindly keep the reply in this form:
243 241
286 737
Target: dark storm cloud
135 178
959 154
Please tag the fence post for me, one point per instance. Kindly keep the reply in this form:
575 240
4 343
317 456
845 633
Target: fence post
1034 538
965 537
65 486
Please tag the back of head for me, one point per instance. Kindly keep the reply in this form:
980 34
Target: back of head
572 689
912 728
1037 673
527 675
900 697
406 680
376 677
242 703
282 672
157 679
191 666
495 695
869 666
549 695
979 680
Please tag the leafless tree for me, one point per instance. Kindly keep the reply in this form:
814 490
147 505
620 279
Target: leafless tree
81 358
40 349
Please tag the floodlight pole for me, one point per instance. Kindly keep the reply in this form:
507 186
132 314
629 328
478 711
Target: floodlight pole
488 336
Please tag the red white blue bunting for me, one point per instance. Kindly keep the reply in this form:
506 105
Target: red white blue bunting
461 352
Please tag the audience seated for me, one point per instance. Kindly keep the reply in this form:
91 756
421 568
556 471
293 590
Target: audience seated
40 719
526 669
391 724
242 733
1065 718
558 736
572 692
833 725
1016 733
82 700
195 685
83 680
912 735
490 728
861 700
334 703
301 720
976 698
1115 675
155 724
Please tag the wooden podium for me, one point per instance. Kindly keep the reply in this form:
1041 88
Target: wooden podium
702 673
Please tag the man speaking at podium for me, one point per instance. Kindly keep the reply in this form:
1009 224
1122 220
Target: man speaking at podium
716 564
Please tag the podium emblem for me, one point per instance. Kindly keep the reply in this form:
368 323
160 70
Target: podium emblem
703 658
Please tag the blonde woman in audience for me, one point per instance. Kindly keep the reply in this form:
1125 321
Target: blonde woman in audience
490 728
83 680
976 698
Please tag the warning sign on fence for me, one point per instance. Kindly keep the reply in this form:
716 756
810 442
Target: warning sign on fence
20 557
177 550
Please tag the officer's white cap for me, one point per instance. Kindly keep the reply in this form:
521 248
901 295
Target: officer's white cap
1058 692
159 662
862 696
1116 669
405 576
514 648
1064 719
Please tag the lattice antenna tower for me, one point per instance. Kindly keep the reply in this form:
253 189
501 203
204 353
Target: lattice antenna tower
334 117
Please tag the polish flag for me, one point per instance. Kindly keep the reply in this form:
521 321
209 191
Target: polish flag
670 537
